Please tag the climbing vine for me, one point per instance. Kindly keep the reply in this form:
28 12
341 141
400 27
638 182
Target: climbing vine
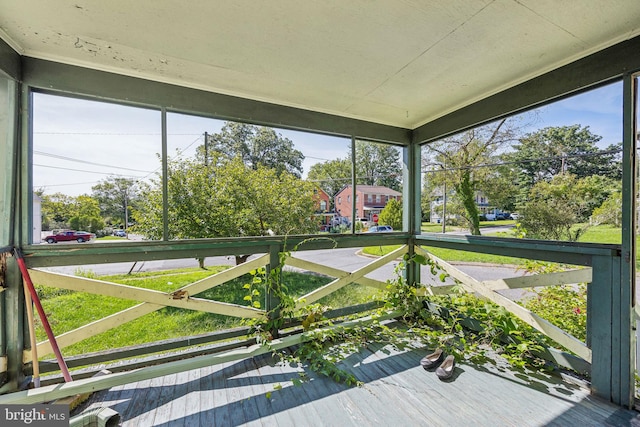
458 322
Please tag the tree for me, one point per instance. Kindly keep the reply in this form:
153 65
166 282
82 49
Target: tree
460 157
56 208
86 215
543 154
227 199
610 212
554 208
116 197
256 146
331 175
378 164
499 187
392 214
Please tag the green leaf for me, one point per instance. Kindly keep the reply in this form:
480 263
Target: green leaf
420 259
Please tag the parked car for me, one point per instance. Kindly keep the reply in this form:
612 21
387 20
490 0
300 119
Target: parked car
69 235
380 229
515 215
120 233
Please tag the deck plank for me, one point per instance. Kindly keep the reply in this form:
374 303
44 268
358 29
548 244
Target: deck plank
144 405
192 400
163 408
206 396
396 391
222 416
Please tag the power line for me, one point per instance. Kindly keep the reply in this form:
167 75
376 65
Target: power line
86 171
65 185
113 133
71 159
517 162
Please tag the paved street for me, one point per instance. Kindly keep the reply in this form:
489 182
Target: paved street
347 259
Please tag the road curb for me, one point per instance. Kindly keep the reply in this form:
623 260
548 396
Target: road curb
359 252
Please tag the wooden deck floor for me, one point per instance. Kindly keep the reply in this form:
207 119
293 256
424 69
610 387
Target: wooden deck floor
396 392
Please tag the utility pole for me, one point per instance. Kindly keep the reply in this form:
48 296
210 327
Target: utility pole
206 149
444 200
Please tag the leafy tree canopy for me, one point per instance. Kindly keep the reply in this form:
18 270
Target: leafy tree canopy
553 150
378 164
554 208
255 145
392 215
56 208
227 200
331 175
457 160
115 195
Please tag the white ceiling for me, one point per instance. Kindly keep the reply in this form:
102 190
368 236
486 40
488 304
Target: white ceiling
397 62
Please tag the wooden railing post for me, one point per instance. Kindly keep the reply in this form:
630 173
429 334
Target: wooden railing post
272 300
611 335
412 270
15 337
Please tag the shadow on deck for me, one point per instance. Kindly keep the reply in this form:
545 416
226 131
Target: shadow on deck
395 391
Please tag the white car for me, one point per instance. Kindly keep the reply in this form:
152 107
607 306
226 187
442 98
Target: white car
380 229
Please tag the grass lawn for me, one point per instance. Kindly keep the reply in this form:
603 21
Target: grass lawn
428 227
450 255
597 234
68 310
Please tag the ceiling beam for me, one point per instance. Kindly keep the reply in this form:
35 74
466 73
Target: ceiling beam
596 69
85 82
9 61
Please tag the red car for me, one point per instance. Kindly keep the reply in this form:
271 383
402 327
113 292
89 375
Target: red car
70 235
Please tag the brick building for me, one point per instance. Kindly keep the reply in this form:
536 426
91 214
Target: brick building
369 200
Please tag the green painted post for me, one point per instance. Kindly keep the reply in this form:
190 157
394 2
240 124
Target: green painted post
602 351
12 313
624 296
411 206
15 326
354 194
272 300
165 175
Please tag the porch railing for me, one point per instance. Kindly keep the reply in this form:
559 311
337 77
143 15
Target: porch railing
606 337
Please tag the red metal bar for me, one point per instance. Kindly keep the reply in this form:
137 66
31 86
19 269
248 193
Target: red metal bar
43 317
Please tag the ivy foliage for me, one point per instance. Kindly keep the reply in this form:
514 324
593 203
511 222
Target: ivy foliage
461 324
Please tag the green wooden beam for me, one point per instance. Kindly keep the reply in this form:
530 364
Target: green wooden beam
100 253
624 293
56 77
596 69
411 206
12 325
602 349
10 62
543 250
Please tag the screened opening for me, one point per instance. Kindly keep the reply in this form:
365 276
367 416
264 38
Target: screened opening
553 173
90 161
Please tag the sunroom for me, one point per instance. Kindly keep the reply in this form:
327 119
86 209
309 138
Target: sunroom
150 94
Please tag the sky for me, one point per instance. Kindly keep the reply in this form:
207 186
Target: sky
78 143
